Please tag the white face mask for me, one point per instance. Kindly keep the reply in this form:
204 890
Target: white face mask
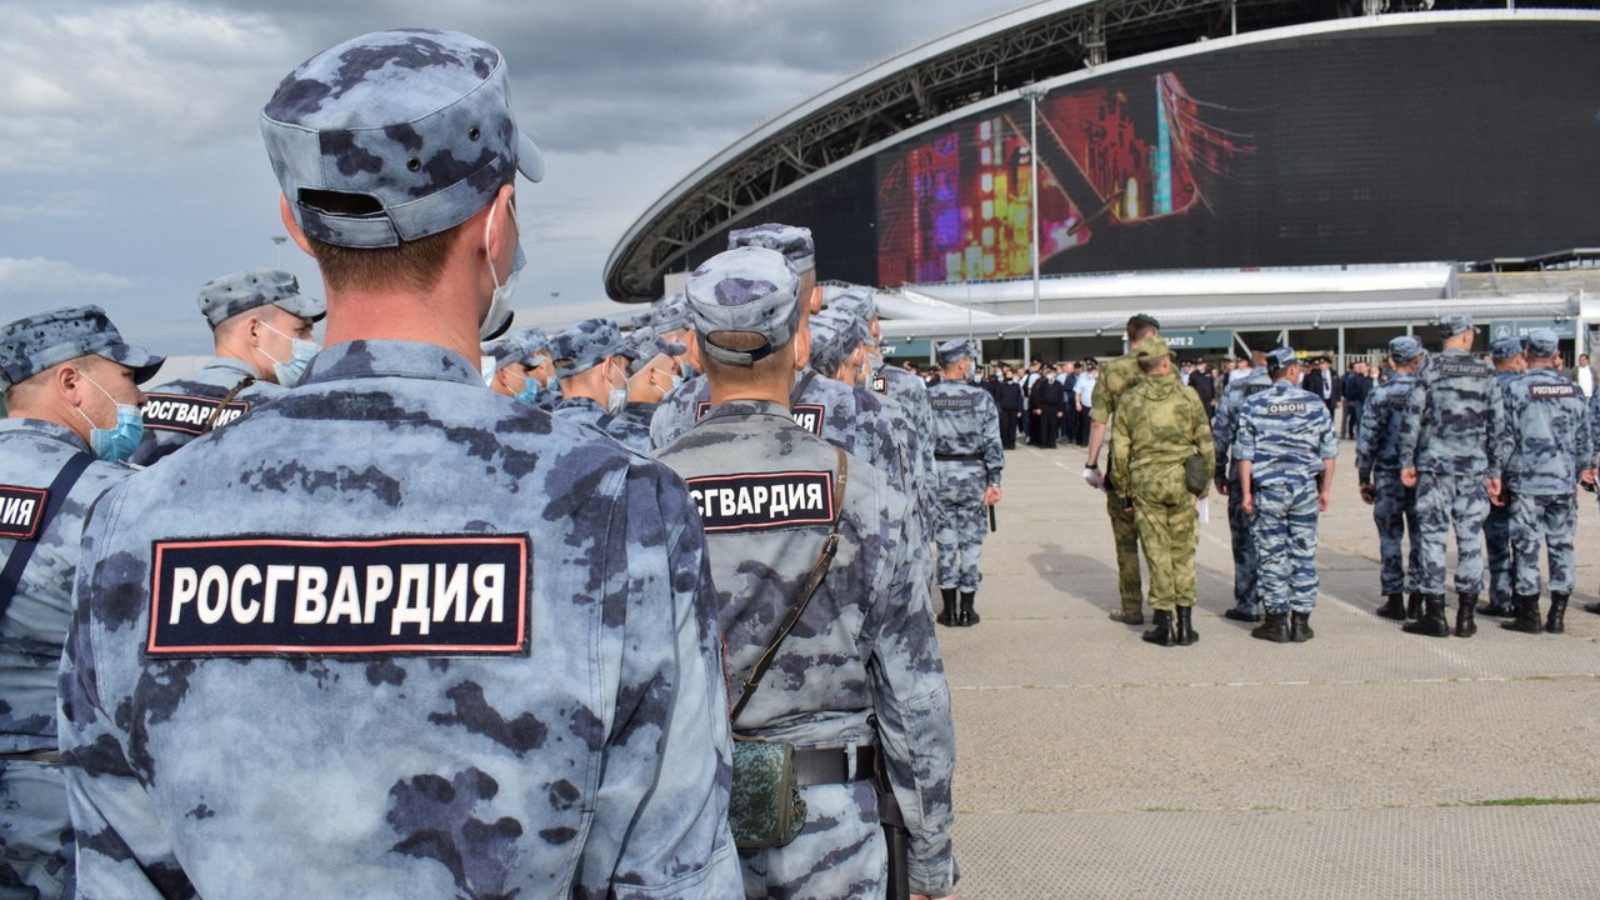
291 371
498 318
617 397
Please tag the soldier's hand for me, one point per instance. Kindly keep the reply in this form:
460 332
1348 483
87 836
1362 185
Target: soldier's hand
1408 477
1248 504
1587 477
1369 493
1222 487
1323 500
1495 495
991 495
1094 477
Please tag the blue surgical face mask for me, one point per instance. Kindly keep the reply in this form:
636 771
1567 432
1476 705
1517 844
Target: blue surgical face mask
498 317
117 443
530 391
300 352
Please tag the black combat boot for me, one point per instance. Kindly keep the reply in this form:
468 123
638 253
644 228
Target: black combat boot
1465 609
1274 629
1161 634
1414 607
948 617
1300 627
1527 620
1499 608
967 616
1183 633
1239 615
1394 609
1432 623
1592 608
1555 623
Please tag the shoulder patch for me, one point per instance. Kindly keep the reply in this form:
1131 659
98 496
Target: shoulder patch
759 500
880 384
359 596
701 408
21 511
1250 390
186 414
1466 368
809 416
1288 407
1552 391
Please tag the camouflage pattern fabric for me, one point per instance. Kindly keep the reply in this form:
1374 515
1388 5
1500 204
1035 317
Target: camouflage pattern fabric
630 428
1551 520
178 411
1223 424
1446 503
569 739
1497 525
864 647
1159 426
223 298
36 844
1552 444
1285 433
966 426
34 343
1378 462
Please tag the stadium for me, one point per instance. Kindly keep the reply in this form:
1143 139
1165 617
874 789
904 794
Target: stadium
1321 172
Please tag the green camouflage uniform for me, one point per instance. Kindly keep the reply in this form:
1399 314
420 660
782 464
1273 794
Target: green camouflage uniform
1160 424
1116 377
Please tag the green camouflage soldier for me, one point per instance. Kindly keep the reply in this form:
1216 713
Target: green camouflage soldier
1159 426
1116 377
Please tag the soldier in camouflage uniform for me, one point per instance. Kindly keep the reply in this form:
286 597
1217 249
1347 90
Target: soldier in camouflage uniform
1453 444
873 691
592 361
969 461
1224 424
261 325
1393 504
1509 364
1285 448
63 375
1552 451
394 635
1115 378
1159 426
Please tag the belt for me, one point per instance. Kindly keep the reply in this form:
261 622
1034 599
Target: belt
40 756
831 765
958 457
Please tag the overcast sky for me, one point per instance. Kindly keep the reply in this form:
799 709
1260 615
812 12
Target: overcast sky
132 168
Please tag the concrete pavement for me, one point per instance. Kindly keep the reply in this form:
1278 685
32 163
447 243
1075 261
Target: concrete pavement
1364 763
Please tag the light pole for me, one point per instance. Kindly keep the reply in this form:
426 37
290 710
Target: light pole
278 240
1033 93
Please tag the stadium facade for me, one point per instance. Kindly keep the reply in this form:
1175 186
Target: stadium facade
1174 135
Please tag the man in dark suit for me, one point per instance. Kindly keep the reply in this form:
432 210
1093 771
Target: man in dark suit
1203 384
1044 405
1008 398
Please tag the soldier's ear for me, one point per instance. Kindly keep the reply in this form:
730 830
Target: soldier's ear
293 227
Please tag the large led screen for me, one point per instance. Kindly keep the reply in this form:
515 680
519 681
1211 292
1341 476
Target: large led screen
1445 142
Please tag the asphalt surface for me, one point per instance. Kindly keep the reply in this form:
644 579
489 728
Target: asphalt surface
1364 763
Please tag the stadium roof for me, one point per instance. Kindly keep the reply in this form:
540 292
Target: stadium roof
991 58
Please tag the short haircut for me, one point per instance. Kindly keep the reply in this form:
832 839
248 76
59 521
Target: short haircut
412 264
743 341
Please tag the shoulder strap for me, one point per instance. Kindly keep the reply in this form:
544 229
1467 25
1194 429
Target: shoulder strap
829 548
226 399
22 551
800 386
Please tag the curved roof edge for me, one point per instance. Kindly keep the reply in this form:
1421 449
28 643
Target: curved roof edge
982 63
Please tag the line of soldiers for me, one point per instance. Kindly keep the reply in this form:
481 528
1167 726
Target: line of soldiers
1494 455
363 627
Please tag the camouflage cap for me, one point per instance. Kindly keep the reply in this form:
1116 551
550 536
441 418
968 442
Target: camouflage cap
585 345
413 126
1506 346
671 313
1404 348
748 289
834 336
1454 324
1280 358
537 342
860 300
513 348
644 345
1543 343
792 241
951 352
1151 346
34 343
223 298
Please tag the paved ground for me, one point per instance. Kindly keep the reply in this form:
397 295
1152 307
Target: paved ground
1365 763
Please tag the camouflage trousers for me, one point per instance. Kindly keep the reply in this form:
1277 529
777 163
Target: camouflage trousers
1552 519
960 523
36 844
1169 535
1394 511
1443 502
1497 547
840 852
1284 533
1125 531
1244 554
